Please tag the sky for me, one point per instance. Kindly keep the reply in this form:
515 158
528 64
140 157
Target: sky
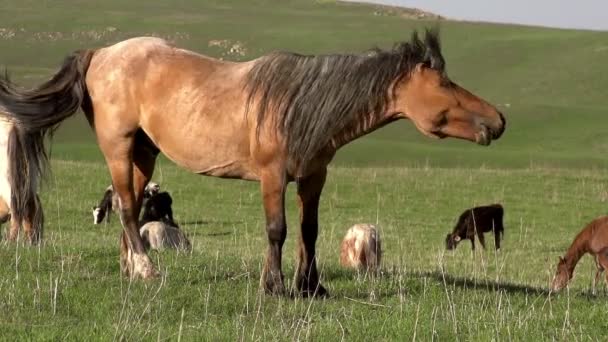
582 14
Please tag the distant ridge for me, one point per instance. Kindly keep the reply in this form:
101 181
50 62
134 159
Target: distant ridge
396 11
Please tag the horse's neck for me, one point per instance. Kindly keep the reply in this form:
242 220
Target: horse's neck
364 125
576 251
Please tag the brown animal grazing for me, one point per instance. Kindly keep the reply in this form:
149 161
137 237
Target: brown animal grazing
159 235
593 239
477 221
277 119
361 248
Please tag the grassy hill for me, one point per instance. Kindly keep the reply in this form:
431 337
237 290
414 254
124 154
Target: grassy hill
551 83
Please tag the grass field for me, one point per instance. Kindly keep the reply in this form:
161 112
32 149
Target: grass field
548 170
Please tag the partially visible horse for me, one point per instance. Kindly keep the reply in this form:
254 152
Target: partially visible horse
593 239
276 119
19 201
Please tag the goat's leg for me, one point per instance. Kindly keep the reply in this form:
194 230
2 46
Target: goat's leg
482 240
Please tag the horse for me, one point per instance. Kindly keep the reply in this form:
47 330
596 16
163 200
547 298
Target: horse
592 239
19 200
477 221
275 119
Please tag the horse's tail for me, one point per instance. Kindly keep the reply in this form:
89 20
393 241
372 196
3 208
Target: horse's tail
46 106
26 164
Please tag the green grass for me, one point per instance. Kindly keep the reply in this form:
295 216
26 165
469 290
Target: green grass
72 288
548 170
550 83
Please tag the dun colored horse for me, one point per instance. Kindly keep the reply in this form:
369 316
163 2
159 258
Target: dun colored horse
593 239
276 119
19 200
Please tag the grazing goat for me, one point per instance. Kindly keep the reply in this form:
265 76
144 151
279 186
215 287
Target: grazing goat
158 235
361 248
593 239
158 208
477 221
109 202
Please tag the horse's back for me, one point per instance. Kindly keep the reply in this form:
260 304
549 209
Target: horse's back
597 232
179 98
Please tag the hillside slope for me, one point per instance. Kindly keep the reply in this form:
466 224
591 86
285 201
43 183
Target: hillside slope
551 83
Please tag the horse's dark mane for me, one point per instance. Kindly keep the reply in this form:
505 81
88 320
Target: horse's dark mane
315 97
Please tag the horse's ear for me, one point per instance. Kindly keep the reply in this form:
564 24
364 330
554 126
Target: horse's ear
432 53
561 260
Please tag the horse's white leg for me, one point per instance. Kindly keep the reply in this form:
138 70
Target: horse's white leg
5 188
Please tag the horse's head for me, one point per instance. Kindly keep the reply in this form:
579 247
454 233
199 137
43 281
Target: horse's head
98 215
562 275
451 241
441 108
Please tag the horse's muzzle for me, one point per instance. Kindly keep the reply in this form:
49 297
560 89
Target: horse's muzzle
496 133
483 136
486 134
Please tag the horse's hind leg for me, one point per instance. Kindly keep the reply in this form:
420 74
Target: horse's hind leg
119 154
273 193
33 222
144 160
13 232
307 276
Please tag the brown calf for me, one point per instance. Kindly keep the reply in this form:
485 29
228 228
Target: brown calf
476 221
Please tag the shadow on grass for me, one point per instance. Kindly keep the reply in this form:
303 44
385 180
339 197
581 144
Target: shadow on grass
481 284
331 275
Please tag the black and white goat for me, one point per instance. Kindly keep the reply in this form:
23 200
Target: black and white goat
109 202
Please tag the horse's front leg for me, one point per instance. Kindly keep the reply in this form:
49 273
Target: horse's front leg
273 193
307 276
598 274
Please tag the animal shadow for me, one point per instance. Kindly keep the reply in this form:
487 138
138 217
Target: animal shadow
482 284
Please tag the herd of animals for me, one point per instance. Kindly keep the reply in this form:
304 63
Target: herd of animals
361 247
277 119
158 229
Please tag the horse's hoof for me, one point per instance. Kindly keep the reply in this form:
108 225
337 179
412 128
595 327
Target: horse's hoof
275 290
317 292
142 268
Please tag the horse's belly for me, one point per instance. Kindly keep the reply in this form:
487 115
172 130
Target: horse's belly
209 154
